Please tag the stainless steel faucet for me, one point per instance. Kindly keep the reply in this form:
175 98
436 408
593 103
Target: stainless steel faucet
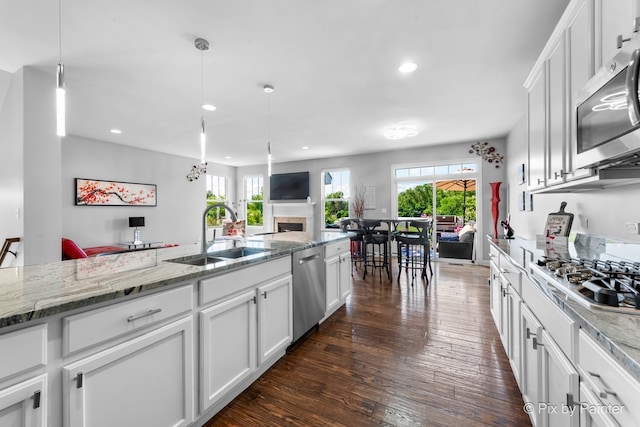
234 218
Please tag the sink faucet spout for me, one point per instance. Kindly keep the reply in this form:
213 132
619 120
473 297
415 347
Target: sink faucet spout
232 214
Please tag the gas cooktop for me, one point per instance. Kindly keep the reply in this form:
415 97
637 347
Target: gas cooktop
594 283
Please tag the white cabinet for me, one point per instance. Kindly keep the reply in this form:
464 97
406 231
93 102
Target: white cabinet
24 404
274 318
531 363
337 259
557 113
242 335
537 129
614 19
595 417
495 289
608 382
145 381
559 386
228 346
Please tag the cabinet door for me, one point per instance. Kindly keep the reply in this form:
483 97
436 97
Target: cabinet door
147 381
495 290
227 346
531 362
537 126
345 276
557 114
274 318
24 404
593 418
505 289
581 69
616 18
514 316
332 269
559 380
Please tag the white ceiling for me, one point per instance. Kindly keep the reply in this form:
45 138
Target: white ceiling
132 65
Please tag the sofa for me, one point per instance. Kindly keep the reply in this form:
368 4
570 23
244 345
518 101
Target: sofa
457 245
70 250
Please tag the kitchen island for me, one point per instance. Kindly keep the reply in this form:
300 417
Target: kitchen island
166 343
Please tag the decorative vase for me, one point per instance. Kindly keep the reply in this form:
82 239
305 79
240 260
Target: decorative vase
495 211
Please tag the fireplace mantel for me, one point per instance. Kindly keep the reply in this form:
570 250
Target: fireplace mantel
298 210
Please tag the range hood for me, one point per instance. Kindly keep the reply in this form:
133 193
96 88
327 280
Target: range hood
599 179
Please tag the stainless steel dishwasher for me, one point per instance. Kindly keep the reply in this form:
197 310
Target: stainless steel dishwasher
309 289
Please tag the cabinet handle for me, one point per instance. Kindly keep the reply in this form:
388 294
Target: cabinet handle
140 316
255 300
535 343
36 399
504 292
79 379
620 40
504 271
604 392
636 24
560 174
530 334
540 181
264 294
571 402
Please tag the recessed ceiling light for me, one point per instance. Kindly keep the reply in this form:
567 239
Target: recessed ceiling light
227 157
208 107
305 148
116 131
408 67
268 88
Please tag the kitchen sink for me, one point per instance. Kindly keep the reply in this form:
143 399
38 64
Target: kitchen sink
200 259
218 256
238 252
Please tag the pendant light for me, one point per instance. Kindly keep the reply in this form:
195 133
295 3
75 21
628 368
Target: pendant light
202 45
60 91
268 89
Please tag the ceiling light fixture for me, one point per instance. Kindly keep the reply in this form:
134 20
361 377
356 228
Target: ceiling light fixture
197 170
116 131
408 67
208 107
60 91
400 132
268 89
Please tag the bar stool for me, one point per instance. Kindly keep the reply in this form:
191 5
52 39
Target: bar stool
375 250
413 244
356 241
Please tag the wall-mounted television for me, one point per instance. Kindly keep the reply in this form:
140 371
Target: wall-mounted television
289 186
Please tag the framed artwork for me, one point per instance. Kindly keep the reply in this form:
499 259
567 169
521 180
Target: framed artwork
521 177
522 196
95 192
528 202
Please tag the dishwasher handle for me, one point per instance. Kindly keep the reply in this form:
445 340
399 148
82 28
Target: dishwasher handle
307 259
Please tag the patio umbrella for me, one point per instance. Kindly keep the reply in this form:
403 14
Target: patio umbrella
463 185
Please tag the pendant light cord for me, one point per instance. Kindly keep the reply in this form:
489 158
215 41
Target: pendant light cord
60 30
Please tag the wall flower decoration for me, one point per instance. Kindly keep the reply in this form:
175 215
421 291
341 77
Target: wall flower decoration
487 152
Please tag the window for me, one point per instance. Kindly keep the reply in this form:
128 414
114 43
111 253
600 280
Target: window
254 199
335 196
216 192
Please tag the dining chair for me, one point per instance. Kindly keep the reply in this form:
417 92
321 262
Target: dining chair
375 247
414 248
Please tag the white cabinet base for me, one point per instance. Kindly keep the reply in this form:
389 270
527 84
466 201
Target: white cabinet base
24 404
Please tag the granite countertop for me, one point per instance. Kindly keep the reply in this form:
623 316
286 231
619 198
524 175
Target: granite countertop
618 333
33 292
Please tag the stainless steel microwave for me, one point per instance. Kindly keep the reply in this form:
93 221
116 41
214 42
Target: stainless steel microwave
608 111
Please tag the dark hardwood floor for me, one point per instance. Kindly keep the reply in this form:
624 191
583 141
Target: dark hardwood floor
394 355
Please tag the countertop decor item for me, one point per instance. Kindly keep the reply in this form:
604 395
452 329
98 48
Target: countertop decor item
558 223
495 210
487 152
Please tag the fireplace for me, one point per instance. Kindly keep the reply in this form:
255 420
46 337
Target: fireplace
289 223
292 217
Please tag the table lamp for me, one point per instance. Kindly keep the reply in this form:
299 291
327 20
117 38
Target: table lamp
136 221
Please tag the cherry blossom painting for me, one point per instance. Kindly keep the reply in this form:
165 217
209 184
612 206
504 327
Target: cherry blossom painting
93 192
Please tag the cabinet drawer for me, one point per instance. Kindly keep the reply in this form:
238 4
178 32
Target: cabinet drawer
226 285
560 326
93 327
337 248
494 255
510 272
32 343
608 380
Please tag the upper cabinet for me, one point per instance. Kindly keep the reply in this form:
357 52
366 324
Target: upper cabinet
587 36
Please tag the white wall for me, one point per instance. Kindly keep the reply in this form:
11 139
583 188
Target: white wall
376 169
176 219
11 165
601 212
